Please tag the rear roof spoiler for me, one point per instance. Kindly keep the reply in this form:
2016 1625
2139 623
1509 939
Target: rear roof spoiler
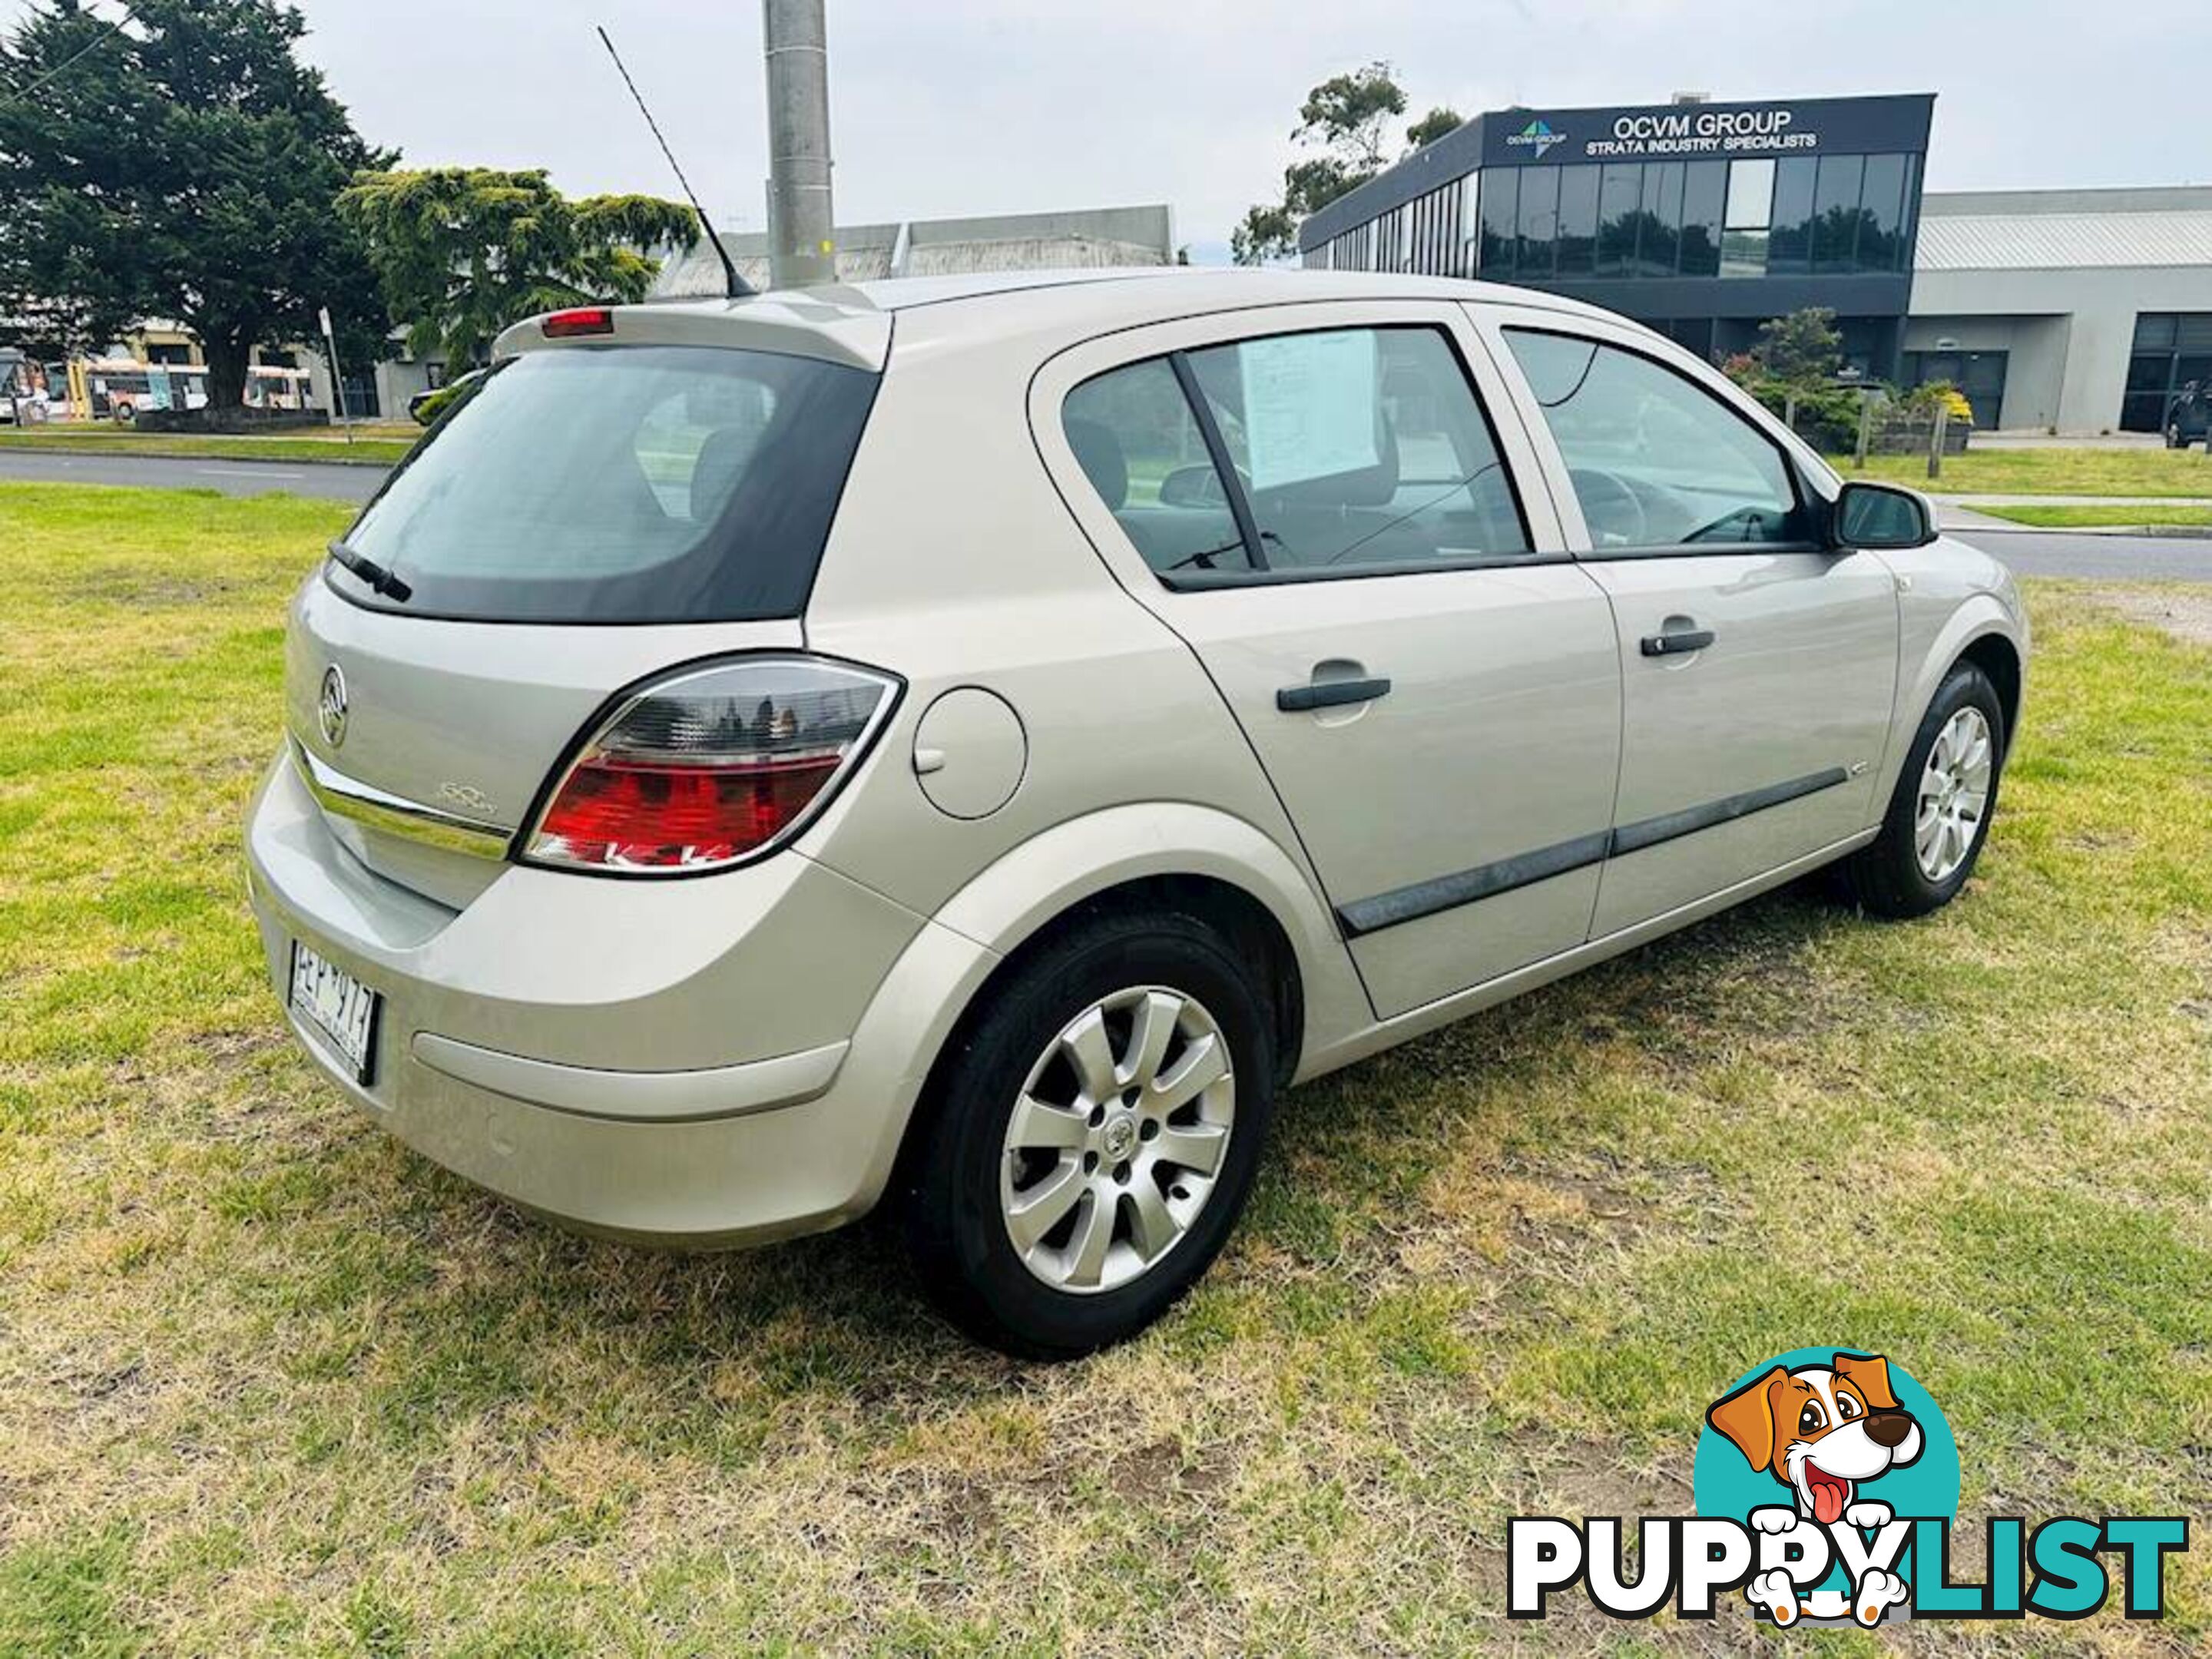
797 323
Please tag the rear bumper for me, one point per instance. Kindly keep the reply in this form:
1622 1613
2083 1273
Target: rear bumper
711 1062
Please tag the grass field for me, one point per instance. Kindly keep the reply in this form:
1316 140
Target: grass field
380 445
2083 471
270 1383
2058 516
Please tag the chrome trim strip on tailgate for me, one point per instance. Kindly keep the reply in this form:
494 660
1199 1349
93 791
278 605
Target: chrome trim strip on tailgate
364 803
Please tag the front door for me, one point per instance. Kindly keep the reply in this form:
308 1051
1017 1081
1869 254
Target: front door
1329 518
1758 670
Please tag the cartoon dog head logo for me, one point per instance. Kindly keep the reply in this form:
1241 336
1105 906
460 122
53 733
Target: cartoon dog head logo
1822 1431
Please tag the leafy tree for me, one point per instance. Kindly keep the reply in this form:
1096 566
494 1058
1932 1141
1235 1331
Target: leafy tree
1434 125
1268 230
182 168
1802 350
463 252
1792 371
1344 126
1349 113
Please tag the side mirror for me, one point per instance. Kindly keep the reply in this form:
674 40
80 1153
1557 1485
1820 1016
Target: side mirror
1883 516
1193 486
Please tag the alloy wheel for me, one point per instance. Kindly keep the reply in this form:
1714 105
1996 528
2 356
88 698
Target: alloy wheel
1954 793
1117 1139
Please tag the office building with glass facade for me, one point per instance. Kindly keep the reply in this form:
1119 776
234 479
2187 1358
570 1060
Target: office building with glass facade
1700 219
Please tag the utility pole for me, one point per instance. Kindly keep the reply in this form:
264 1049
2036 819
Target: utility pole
337 374
802 248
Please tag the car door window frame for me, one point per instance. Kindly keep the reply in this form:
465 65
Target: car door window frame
1490 393
1224 467
1810 501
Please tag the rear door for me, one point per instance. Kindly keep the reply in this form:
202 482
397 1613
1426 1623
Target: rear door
1317 499
1758 668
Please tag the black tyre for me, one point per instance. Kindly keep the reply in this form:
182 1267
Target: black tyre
1090 1139
1938 815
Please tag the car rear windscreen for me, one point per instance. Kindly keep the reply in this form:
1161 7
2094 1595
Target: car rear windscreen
635 483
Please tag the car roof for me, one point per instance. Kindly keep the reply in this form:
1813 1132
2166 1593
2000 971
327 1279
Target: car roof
851 322
1117 295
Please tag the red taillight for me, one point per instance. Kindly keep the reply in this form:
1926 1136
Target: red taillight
585 319
711 766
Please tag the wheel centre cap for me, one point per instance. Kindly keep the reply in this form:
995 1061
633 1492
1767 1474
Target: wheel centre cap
1119 1138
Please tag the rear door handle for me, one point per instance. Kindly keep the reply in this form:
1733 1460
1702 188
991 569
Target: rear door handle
1675 644
1329 694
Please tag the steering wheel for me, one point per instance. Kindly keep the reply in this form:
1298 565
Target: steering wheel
1611 507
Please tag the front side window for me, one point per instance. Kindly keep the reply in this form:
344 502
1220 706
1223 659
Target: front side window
1656 460
1352 449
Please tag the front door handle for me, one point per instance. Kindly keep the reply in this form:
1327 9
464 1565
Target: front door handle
1678 642
1329 694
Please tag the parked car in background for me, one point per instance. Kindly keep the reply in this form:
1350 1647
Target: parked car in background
973 742
15 380
2189 416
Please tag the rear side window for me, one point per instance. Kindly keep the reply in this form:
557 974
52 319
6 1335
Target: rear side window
622 485
1349 452
1656 461
1139 443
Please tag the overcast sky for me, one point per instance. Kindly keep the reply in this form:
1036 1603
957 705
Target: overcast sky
949 106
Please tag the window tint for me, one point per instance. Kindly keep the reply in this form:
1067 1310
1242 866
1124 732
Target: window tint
1661 243
1471 231
624 483
1140 446
1353 448
1881 216
1791 248
1705 186
1501 216
1656 461
1578 193
1539 221
2173 353
1619 197
1835 212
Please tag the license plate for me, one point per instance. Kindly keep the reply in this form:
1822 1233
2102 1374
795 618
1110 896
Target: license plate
338 1005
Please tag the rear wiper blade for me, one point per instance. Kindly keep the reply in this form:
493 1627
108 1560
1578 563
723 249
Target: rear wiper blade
379 579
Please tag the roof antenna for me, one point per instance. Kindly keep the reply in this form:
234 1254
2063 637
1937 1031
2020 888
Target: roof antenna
736 286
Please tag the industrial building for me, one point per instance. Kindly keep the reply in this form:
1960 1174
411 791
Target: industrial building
2077 311
1075 239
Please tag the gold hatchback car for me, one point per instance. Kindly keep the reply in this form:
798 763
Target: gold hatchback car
975 741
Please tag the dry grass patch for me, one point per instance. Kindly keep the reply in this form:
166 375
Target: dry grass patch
2183 610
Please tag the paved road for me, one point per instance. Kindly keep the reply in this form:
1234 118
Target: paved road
337 483
2105 558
